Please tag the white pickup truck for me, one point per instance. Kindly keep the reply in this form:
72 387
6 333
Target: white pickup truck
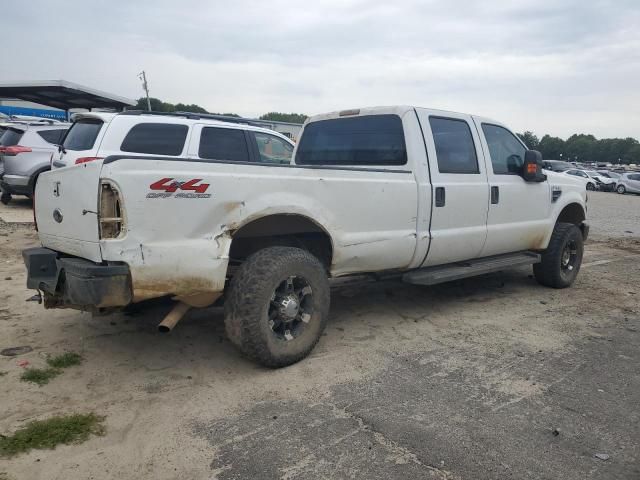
424 195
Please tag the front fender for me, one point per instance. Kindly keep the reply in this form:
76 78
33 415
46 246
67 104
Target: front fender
567 199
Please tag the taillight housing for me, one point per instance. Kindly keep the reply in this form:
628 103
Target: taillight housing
110 214
14 150
86 159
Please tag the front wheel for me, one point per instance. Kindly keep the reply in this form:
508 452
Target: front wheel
562 259
591 187
621 190
277 305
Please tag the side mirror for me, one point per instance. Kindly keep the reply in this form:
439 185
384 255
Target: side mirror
532 168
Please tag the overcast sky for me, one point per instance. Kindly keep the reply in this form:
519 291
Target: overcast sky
551 66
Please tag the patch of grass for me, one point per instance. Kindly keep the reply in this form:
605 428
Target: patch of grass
41 376
65 360
47 434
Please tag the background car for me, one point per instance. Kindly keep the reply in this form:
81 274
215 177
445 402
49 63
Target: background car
25 152
629 183
593 179
556 165
97 135
610 174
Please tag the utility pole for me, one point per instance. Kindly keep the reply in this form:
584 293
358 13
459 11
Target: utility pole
145 86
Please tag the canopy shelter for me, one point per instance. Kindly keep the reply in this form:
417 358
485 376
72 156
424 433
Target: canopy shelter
63 95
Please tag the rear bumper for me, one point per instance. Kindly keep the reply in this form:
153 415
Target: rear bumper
70 282
15 184
16 180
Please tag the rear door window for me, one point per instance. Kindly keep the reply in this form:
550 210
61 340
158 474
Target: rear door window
52 136
11 137
156 139
223 144
506 152
273 149
82 135
367 140
455 150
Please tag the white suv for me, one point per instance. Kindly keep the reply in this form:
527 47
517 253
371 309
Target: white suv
96 135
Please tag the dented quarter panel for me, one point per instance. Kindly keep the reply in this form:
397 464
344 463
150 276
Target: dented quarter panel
181 245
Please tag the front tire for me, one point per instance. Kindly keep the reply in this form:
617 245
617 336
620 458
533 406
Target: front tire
277 305
562 259
591 187
5 198
621 190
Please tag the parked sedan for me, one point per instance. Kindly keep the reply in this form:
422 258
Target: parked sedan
594 180
629 182
25 152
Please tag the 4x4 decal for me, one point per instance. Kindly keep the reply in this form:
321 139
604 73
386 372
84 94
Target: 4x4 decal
170 186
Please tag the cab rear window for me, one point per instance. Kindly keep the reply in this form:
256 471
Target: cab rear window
365 140
83 134
156 139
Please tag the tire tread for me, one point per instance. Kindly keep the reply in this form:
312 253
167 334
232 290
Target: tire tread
243 309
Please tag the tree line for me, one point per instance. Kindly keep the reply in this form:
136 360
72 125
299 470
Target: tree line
585 148
158 105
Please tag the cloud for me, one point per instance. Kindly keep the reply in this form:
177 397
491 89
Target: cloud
548 66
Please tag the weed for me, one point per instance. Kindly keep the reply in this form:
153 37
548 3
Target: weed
41 376
65 360
49 433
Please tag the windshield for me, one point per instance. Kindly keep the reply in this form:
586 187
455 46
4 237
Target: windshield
560 164
82 134
592 173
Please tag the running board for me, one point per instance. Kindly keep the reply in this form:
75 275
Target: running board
478 266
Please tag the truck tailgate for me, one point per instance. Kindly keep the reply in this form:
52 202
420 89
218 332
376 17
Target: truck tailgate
66 206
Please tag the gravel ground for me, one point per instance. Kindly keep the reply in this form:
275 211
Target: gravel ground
485 378
613 215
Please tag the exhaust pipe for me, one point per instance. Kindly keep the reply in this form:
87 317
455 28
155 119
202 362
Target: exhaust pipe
173 317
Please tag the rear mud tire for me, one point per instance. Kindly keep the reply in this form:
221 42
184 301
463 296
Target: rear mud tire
250 296
5 198
562 259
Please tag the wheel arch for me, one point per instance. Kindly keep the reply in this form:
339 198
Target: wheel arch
572 213
34 177
575 214
284 229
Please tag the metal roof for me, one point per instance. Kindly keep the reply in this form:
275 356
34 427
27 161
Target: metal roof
63 95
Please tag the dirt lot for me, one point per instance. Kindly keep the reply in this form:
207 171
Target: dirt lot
464 380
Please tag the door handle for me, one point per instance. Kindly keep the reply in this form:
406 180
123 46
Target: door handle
495 195
440 197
